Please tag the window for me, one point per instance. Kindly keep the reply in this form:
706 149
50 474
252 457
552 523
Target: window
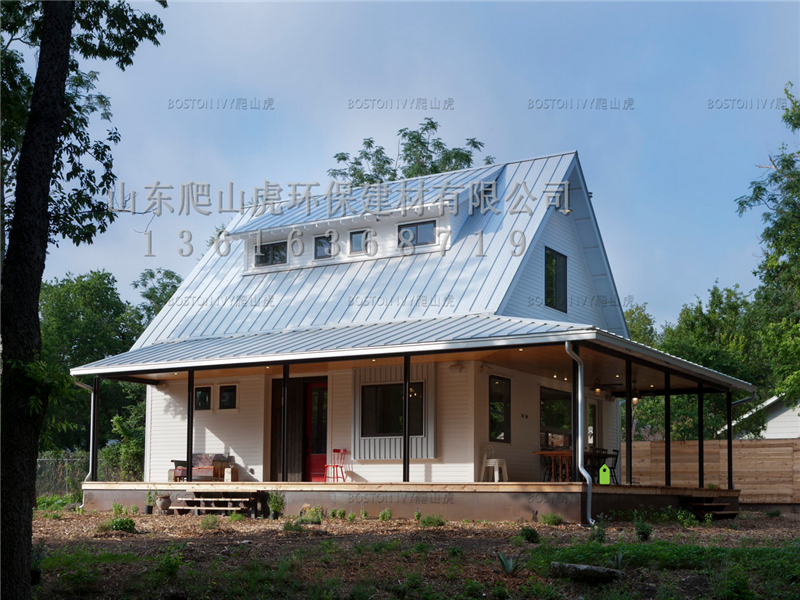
271 254
555 280
227 397
358 240
382 409
417 234
322 247
202 398
555 414
499 409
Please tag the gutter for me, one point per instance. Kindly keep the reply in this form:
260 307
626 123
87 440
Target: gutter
581 424
85 479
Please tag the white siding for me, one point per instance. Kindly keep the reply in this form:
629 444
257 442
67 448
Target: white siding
526 298
237 433
611 424
782 422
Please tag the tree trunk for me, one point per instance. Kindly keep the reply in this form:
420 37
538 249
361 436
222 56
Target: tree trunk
21 284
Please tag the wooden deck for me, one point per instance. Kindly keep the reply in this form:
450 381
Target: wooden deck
455 501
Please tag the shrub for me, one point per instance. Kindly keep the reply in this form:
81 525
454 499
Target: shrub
598 533
455 552
277 501
117 509
103 526
732 584
509 565
385 514
773 513
687 519
551 519
643 529
432 521
236 517
170 562
363 514
529 534
338 514
123 524
708 519
310 518
209 522
134 509
351 518
293 526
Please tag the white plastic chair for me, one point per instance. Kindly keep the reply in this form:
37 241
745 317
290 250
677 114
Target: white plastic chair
498 464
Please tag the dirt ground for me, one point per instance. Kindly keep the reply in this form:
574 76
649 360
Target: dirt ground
423 550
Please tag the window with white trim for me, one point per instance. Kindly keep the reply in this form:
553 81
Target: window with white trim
270 254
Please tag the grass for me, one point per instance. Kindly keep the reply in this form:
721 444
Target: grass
209 522
552 519
432 521
235 517
57 501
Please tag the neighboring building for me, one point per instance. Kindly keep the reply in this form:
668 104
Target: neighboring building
474 307
782 422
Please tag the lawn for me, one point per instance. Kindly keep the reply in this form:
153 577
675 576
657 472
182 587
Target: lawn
177 557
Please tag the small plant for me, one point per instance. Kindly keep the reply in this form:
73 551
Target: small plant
732 584
530 535
643 529
123 524
292 526
417 515
617 561
598 532
552 519
712 486
773 513
509 565
170 561
151 498
103 526
708 518
455 552
340 514
351 518
385 514
276 502
79 510
134 509
117 509
363 514
209 522
687 519
235 517
432 521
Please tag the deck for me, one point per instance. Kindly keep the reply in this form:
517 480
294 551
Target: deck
455 501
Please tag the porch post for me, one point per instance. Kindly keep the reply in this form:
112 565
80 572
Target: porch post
285 423
667 431
94 428
406 414
189 423
628 422
575 474
700 457
729 399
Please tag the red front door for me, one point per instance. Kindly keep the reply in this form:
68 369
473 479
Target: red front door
315 451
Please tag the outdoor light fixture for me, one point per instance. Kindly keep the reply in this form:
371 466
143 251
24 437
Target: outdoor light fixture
555 376
635 398
597 388
520 349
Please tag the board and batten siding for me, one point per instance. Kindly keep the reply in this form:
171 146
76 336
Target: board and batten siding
526 298
238 433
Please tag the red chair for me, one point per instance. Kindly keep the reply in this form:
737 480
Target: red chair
335 471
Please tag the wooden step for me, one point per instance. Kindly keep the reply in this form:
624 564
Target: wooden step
709 506
228 508
207 499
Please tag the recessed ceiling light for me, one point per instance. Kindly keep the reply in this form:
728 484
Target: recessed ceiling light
565 378
617 375
651 385
267 367
174 373
555 376
374 359
520 349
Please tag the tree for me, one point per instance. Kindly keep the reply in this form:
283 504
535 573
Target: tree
418 153
777 192
156 287
641 325
48 192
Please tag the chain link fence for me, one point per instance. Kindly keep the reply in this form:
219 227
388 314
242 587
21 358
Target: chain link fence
64 474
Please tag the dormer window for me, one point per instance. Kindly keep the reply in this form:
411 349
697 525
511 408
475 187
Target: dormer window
555 280
358 241
271 254
322 247
422 233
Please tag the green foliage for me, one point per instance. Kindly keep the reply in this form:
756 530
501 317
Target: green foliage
103 526
643 529
56 501
170 561
417 515
385 514
551 519
432 521
338 513
540 590
455 552
773 513
157 287
277 501
598 532
291 525
117 508
134 509
235 517
530 535
509 565
384 545
363 513
310 518
687 519
420 153
123 524
209 522
351 518
641 325
708 519
732 584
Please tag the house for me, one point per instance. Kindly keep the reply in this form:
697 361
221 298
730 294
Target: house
424 326
782 422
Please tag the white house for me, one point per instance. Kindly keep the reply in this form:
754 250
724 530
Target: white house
465 316
782 422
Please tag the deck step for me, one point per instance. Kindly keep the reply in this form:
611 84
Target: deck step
209 499
207 508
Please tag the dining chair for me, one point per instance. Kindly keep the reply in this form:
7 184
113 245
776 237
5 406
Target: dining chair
613 466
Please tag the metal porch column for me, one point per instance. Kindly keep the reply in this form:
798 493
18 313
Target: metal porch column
667 431
700 457
628 422
94 428
729 402
189 422
576 476
285 423
406 414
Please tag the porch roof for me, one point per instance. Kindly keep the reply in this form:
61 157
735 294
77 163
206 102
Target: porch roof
362 340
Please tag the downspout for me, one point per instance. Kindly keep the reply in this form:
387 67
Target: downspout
581 424
91 389
753 397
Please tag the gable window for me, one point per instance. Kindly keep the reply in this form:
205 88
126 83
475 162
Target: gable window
555 280
322 247
271 254
555 414
499 409
227 397
382 410
202 398
422 233
358 241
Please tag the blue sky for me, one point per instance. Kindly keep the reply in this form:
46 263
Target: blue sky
664 175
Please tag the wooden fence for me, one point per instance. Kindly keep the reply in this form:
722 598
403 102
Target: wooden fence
766 471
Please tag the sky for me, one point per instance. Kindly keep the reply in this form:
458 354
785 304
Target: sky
664 174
